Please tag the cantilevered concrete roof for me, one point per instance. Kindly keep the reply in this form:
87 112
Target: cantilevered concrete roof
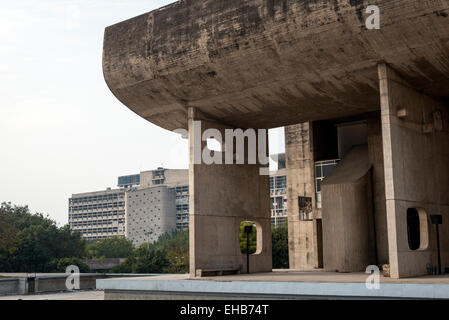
267 63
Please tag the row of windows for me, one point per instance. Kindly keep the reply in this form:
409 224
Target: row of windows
278 182
99 230
95 214
96 223
278 221
98 206
105 197
180 207
182 189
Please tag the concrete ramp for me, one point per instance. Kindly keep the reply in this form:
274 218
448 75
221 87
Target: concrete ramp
348 229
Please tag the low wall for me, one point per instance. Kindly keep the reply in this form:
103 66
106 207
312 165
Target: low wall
52 282
58 283
103 264
12 286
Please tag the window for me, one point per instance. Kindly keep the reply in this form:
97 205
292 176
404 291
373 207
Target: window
417 229
322 170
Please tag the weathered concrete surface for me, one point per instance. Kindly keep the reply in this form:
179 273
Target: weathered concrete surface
416 157
275 285
12 286
348 224
221 197
266 63
77 295
300 182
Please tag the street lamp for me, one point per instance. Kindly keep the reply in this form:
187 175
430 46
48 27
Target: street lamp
248 230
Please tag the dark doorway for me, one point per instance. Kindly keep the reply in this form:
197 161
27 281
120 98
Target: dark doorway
413 229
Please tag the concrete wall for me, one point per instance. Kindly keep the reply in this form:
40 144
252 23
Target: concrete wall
375 154
300 182
103 264
150 213
14 286
416 158
53 284
221 197
348 226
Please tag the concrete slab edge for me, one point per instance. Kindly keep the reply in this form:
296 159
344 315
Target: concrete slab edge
418 291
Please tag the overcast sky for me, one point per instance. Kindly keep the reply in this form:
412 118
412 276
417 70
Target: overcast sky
61 129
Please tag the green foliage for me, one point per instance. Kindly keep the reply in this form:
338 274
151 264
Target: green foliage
32 242
252 238
176 246
63 263
116 247
170 254
125 267
280 247
150 259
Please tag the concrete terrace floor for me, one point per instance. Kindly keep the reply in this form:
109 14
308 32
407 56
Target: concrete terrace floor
79 295
302 276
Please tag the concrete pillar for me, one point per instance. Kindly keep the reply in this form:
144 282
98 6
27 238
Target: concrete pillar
221 197
303 247
415 130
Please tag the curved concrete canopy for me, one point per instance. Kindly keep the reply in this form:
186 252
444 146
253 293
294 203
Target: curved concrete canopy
268 63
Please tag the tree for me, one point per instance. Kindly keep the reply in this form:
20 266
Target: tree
63 263
116 247
32 242
280 247
252 238
176 246
169 254
9 242
149 259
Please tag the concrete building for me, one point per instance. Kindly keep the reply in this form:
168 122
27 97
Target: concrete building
98 215
146 206
150 213
177 182
278 193
375 101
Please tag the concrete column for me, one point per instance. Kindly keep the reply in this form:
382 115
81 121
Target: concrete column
221 197
415 132
300 183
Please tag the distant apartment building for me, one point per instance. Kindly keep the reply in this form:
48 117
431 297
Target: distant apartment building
145 206
150 212
98 215
278 192
151 203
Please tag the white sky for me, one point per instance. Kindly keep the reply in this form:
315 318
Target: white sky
61 129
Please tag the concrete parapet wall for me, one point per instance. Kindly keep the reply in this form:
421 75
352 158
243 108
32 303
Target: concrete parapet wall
14 286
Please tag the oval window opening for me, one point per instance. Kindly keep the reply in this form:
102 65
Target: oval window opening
413 229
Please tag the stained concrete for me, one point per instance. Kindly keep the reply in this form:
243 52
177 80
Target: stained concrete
274 285
264 64
300 182
348 225
416 157
221 197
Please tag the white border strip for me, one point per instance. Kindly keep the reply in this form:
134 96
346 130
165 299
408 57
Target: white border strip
387 290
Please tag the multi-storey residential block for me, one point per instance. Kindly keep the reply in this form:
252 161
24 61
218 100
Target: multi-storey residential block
152 203
98 215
